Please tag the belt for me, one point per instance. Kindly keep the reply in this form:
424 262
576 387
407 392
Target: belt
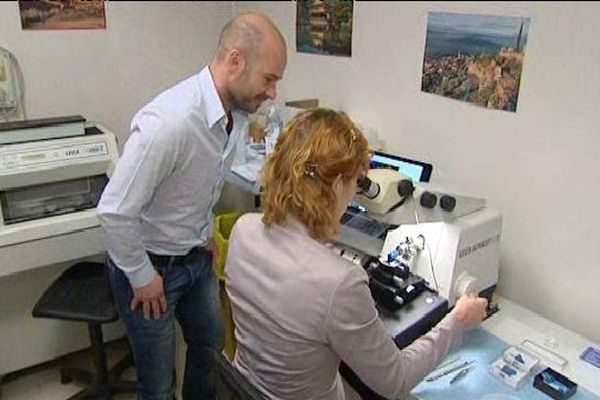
159 260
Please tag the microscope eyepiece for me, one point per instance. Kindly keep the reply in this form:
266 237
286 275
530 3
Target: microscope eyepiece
368 188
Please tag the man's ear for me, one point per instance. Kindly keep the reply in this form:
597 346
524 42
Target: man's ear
236 62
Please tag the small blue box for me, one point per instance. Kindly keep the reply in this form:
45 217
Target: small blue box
592 356
555 385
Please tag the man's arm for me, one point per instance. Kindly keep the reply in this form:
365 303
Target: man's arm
147 159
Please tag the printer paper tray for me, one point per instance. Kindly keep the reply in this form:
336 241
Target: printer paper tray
51 250
47 227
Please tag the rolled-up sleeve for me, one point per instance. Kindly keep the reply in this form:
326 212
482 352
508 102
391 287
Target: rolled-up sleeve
359 337
148 157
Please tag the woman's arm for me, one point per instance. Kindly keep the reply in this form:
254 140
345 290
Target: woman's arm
359 337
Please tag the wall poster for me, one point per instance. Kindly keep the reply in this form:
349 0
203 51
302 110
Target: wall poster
62 14
475 58
324 27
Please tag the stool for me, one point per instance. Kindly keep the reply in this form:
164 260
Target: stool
231 384
82 293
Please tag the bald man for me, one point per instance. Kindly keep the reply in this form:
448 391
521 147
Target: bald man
156 210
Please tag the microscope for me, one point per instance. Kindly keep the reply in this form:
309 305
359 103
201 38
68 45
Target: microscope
451 241
437 246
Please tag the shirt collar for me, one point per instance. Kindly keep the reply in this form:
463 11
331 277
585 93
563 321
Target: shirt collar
212 103
293 224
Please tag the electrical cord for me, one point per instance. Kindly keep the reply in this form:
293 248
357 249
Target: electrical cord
437 287
416 214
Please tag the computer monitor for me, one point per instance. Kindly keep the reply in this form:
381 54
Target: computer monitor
418 171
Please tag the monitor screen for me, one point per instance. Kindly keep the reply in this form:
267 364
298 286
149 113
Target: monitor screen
416 170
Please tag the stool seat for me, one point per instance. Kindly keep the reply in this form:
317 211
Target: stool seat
81 293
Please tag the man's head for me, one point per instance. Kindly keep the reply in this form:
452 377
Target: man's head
251 58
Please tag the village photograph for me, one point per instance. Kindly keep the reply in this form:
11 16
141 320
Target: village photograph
475 58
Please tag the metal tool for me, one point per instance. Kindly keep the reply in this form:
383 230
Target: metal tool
444 365
449 371
461 374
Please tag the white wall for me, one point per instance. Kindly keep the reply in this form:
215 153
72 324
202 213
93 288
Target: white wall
537 166
106 76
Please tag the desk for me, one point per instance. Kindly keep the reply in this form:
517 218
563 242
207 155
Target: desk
38 243
510 326
245 185
514 323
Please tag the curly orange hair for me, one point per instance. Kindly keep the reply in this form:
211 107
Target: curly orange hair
314 148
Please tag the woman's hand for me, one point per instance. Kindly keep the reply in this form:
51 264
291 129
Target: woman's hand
470 309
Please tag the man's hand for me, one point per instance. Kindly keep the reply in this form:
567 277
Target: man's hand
152 297
470 309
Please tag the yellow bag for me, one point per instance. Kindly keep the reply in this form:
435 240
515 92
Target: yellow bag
223 224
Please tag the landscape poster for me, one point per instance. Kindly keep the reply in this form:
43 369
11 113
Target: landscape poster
475 58
62 14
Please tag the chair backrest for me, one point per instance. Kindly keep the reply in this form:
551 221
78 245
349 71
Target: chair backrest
235 384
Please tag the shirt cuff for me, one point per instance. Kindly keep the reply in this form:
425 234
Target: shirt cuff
142 276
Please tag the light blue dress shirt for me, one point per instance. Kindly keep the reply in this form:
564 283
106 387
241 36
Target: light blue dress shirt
169 177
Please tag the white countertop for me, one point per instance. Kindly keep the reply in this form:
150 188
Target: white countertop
514 324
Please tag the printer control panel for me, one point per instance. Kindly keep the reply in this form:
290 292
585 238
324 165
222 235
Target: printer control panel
51 154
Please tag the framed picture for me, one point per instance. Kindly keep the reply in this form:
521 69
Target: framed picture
324 27
65 14
475 58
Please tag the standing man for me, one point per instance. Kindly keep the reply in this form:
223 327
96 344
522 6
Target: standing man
156 210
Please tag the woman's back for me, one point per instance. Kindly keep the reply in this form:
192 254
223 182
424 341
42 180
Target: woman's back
280 283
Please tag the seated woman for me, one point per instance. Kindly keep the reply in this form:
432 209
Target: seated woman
300 308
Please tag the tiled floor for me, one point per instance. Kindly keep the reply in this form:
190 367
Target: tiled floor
43 383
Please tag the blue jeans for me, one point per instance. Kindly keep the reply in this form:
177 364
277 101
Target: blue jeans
193 299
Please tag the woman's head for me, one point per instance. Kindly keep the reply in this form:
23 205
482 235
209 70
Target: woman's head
312 173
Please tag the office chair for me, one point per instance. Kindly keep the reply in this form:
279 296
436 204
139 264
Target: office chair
231 384
82 293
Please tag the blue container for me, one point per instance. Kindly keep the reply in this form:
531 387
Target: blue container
555 385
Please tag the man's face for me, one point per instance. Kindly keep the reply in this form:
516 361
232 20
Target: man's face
259 78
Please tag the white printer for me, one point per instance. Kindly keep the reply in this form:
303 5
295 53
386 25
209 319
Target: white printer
51 177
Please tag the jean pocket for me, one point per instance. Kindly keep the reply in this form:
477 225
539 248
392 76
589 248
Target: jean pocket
110 266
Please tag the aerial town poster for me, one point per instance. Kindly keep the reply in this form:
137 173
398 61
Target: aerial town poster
475 58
